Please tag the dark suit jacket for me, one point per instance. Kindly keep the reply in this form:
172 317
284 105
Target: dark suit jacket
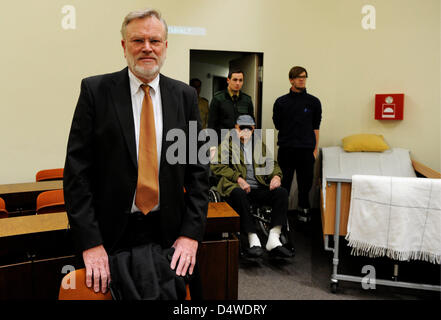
100 172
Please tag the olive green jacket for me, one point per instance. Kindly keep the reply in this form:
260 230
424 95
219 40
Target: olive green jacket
230 164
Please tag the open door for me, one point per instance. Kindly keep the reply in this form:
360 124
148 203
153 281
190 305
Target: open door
211 68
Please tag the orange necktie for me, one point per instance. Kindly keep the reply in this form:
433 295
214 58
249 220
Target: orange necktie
147 188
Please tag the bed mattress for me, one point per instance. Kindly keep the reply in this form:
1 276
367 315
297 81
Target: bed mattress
338 163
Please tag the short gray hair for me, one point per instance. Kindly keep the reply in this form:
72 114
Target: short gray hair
141 14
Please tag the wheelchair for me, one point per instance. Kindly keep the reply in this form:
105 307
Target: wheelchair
262 218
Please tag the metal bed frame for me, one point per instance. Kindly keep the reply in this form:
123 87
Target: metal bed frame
335 277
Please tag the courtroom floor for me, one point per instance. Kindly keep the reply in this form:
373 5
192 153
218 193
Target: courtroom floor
307 275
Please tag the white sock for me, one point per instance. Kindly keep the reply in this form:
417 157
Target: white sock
253 239
274 238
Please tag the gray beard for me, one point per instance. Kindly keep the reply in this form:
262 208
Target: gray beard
143 73
147 74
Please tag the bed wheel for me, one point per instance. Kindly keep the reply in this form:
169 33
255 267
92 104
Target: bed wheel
334 287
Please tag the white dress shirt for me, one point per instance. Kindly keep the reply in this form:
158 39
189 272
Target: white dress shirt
137 95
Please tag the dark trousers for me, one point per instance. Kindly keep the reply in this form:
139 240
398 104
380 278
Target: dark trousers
301 161
240 201
141 229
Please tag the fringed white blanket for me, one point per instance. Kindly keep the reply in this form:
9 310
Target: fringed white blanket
395 217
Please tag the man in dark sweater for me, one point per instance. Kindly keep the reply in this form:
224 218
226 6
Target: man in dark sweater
297 116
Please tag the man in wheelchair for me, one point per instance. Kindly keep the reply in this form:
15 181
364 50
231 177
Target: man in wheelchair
245 179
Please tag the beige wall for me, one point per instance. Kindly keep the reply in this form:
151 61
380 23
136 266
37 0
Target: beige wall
43 64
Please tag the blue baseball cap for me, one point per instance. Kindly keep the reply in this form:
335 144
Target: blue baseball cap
245 120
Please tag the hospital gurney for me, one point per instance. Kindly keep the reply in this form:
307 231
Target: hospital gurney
338 168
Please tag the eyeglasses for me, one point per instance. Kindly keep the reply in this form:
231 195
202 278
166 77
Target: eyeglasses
140 41
301 77
244 127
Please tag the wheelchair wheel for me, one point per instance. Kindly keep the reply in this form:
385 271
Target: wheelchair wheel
283 239
289 236
263 217
213 195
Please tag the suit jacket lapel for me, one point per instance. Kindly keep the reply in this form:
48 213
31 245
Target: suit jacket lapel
122 101
169 112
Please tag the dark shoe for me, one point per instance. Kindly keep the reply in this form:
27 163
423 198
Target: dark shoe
281 252
304 215
291 213
255 251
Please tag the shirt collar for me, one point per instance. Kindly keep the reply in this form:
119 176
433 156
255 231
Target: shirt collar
232 94
297 93
135 83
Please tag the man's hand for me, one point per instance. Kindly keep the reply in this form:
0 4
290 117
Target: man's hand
243 185
275 183
315 154
212 153
97 268
245 135
185 253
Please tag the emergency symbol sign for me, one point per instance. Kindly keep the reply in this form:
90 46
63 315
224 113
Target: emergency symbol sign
389 106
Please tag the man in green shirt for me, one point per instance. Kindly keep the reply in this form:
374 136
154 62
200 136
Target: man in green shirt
227 105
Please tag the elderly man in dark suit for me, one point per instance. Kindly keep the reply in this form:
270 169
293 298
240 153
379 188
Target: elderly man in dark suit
120 190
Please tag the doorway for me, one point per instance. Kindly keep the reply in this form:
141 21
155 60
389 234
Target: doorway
211 67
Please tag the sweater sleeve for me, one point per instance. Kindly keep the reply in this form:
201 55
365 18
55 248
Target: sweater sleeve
317 116
276 115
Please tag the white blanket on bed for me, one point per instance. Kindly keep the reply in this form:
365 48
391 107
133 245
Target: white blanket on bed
395 217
